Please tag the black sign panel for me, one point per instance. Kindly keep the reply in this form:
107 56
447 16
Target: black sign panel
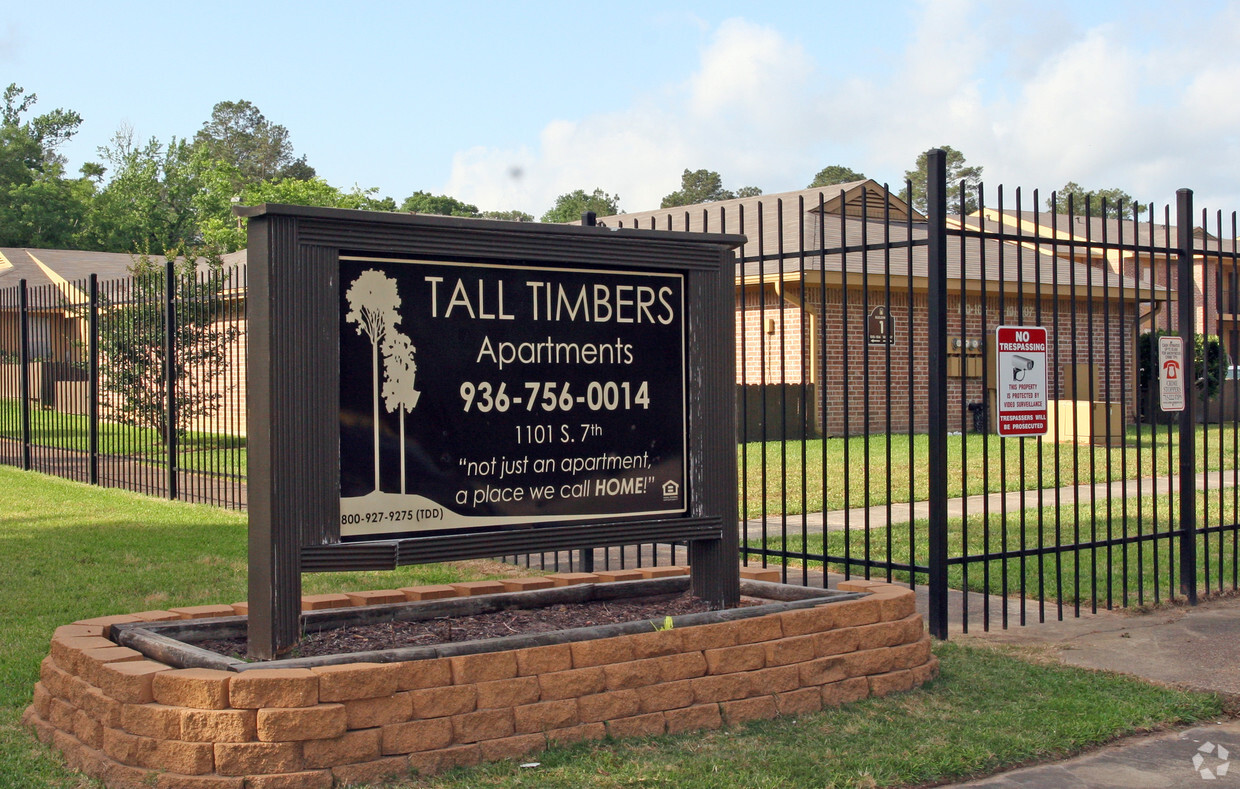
879 326
487 395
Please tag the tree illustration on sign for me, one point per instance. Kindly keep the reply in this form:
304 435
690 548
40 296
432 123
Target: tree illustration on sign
374 306
399 373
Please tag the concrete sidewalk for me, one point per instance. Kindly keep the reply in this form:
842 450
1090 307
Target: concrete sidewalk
1192 647
878 517
1198 757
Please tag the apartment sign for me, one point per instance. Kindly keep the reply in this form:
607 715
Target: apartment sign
1171 373
498 394
1021 388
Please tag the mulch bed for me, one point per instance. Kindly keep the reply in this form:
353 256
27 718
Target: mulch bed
442 630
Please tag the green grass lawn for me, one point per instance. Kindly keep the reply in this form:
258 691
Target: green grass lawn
197 451
1116 575
776 477
835 473
987 710
75 551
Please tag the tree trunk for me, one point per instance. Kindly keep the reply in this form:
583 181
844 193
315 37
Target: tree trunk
375 367
402 449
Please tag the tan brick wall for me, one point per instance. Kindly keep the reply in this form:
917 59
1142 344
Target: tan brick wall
822 339
130 721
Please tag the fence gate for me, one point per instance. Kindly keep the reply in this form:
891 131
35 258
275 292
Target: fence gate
871 388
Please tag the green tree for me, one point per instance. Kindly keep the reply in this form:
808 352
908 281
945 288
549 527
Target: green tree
1114 203
373 203
298 170
239 134
508 216
150 203
39 207
835 174
957 171
45 213
132 332
220 228
426 203
569 207
704 186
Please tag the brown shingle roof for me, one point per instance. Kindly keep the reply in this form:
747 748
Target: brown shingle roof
1106 232
787 232
70 268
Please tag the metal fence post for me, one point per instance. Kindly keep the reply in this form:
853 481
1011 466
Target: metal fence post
23 384
936 462
585 556
170 373
1187 319
92 393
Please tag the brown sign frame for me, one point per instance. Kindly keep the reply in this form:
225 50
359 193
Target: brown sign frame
292 392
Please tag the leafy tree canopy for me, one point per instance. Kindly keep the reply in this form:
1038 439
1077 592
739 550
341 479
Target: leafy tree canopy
38 206
835 174
508 216
957 171
241 136
569 207
222 229
1114 203
704 186
426 203
150 202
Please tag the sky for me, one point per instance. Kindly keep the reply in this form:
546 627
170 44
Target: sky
508 104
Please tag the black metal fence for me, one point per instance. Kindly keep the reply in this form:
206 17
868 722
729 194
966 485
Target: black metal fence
87 393
868 396
868 390
906 479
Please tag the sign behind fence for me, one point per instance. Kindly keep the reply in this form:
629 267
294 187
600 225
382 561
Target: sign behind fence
878 326
1171 373
1021 388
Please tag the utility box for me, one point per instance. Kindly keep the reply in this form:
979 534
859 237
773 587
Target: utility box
1080 382
1086 421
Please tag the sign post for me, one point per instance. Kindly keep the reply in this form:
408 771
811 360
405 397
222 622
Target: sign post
1021 388
1171 373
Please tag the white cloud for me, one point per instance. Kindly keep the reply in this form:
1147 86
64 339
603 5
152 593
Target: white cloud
1034 97
752 86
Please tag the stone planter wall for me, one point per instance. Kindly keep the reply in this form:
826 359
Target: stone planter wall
134 722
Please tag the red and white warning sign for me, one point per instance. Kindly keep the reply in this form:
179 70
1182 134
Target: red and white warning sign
1171 373
1021 385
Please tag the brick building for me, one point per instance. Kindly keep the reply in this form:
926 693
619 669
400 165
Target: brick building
1144 251
57 330
832 314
